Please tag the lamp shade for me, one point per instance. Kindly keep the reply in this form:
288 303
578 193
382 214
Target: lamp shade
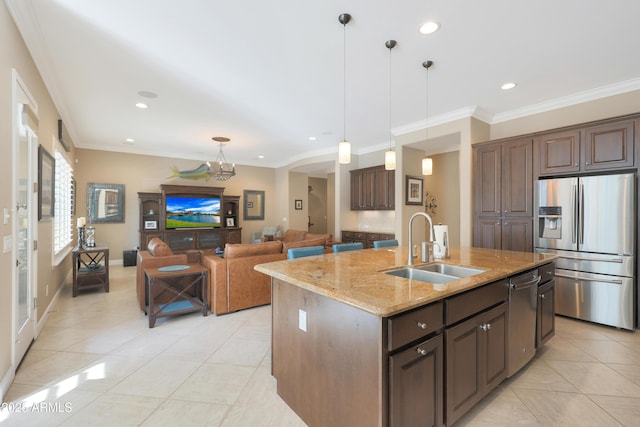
390 160
427 166
344 152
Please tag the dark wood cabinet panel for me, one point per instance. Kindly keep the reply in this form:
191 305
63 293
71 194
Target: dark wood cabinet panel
475 360
487 233
546 327
558 153
487 178
517 234
517 178
609 146
372 189
366 238
416 385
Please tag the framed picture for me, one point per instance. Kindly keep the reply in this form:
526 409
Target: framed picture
414 190
46 184
231 222
105 203
298 205
151 225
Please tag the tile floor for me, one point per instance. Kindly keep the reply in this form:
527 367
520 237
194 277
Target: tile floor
97 363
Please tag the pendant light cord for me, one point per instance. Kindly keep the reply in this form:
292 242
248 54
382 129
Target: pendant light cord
344 82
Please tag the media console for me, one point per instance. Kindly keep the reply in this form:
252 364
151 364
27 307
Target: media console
189 233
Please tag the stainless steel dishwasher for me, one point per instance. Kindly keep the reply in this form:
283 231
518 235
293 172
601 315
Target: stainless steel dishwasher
523 306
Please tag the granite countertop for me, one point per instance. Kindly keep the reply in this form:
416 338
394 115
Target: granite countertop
356 278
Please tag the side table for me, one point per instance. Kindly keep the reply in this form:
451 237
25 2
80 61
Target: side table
90 268
176 290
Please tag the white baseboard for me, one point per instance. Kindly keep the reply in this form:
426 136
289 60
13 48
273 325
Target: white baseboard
6 381
43 320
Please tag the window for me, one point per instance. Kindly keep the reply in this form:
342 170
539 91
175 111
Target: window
62 231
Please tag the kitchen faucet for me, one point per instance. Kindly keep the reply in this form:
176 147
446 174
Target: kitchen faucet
430 242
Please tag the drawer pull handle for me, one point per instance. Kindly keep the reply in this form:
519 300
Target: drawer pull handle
485 327
421 351
422 325
541 296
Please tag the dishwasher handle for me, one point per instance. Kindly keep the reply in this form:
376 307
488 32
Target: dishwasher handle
524 285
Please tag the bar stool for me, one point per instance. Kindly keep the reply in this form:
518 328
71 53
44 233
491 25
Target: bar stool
343 247
303 252
385 243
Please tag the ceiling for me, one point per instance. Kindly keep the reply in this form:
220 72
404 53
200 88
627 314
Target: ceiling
270 75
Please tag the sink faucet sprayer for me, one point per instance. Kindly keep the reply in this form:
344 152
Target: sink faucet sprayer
425 245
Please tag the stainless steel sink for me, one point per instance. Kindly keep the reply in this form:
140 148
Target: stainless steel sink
450 270
421 275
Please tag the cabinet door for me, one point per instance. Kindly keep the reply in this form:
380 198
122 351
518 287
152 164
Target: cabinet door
546 326
517 234
356 190
494 347
609 146
487 177
416 385
384 189
487 233
233 236
368 189
559 153
517 178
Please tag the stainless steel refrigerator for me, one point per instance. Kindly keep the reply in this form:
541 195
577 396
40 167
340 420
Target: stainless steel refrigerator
589 222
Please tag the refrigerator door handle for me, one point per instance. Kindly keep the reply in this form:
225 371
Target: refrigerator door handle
616 260
573 213
581 215
589 279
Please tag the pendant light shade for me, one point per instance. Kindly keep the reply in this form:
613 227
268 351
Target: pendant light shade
344 148
390 160
427 166
344 152
390 156
427 162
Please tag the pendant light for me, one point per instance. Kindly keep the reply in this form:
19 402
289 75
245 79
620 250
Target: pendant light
344 148
427 162
390 156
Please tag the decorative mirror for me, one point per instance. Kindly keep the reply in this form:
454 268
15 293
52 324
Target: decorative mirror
253 205
105 203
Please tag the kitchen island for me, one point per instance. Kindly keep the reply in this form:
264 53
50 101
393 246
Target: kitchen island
354 346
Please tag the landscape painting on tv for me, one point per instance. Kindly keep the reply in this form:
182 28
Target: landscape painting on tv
190 212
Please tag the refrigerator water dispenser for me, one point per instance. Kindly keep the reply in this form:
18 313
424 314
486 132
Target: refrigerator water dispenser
550 222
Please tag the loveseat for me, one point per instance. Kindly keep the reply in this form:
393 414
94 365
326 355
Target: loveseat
158 254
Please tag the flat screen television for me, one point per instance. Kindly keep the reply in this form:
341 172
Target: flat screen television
199 211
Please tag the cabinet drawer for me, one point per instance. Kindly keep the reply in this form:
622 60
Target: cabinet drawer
386 236
416 324
347 236
547 272
373 237
469 303
360 236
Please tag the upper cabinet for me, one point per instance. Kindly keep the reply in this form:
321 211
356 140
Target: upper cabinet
594 148
372 189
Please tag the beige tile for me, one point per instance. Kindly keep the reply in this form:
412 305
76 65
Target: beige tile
595 378
157 378
626 410
576 329
630 372
563 349
540 376
109 370
114 410
58 366
554 408
239 351
279 416
608 351
215 383
500 408
183 413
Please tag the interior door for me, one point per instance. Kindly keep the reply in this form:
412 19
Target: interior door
25 148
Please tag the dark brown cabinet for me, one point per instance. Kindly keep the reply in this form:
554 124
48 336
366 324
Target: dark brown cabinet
365 237
503 195
372 189
602 147
476 360
545 319
416 385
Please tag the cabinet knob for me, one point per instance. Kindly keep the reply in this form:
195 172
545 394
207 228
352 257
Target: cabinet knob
421 351
497 212
541 296
422 325
587 163
505 211
485 326
576 165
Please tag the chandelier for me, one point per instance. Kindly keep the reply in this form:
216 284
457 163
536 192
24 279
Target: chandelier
221 170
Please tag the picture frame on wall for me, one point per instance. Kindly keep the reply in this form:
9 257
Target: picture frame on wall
298 205
46 184
414 185
105 203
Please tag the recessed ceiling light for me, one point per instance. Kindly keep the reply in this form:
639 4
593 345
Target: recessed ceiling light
429 27
508 86
261 156
130 140
142 105
147 94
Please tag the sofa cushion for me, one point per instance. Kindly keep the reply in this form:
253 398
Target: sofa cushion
157 247
237 250
303 243
294 235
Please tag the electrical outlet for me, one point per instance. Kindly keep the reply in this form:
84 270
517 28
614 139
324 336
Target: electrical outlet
302 320
46 291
